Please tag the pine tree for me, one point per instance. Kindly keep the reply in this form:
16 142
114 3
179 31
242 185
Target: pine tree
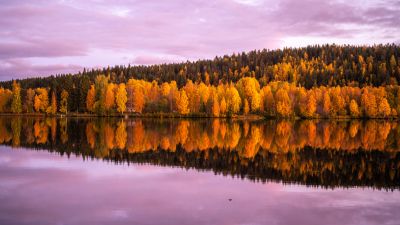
53 107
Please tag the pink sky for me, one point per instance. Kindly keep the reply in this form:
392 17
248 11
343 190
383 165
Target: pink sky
39 37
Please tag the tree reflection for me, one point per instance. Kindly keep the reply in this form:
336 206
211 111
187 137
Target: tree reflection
325 153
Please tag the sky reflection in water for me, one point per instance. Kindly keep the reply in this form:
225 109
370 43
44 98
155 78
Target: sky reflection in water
42 187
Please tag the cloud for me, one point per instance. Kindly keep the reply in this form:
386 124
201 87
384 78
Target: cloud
38 187
40 48
153 31
20 68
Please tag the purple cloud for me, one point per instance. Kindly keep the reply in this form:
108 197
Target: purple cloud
91 33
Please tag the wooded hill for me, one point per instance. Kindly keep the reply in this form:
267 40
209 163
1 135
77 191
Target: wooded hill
359 67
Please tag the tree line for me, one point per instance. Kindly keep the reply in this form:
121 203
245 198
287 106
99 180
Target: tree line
312 67
247 96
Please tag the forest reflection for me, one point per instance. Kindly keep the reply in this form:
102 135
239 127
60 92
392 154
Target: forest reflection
326 153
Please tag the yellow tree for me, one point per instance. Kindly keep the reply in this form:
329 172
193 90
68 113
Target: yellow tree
384 108
338 103
165 89
268 101
255 102
121 98
16 106
215 105
368 104
326 104
283 103
311 105
91 98
354 111
233 100
110 98
182 103
194 97
136 97
41 101
222 107
37 103
100 84
248 88
64 102
204 93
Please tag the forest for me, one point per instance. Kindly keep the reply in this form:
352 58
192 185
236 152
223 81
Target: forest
327 81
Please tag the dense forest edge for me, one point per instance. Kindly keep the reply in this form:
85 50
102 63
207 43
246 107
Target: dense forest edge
327 81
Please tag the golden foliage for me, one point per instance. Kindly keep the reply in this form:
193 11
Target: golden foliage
182 103
121 98
90 99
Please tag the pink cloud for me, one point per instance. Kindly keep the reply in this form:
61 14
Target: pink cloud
152 31
20 68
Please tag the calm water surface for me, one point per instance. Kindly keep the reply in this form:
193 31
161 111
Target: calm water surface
142 171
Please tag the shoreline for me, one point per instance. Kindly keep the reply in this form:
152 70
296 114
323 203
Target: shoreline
190 116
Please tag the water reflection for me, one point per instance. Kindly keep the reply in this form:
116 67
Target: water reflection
324 153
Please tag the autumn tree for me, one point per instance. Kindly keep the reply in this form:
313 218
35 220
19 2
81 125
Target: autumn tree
338 103
311 106
384 108
110 97
215 109
368 104
249 88
16 106
353 108
233 101
41 101
91 98
182 103
222 107
255 102
100 84
5 99
121 98
283 103
326 104
64 102
136 97
268 101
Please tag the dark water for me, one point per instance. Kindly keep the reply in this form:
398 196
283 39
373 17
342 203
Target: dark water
170 171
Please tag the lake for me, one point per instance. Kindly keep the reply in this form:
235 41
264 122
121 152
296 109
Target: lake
198 171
